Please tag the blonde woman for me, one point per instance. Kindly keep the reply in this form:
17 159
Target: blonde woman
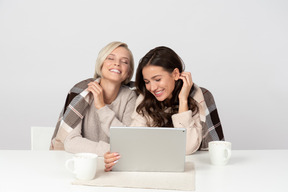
93 105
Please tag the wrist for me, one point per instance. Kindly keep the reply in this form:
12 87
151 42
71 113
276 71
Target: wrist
99 106
183 106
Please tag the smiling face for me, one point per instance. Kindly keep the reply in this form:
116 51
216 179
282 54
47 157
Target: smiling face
116 66
160 82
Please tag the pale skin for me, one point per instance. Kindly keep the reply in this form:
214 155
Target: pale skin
161 84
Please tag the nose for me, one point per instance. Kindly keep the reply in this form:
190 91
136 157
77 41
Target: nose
153 86
116 62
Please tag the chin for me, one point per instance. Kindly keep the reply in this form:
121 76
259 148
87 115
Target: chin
160 98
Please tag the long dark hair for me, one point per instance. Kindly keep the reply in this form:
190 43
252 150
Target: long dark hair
167 59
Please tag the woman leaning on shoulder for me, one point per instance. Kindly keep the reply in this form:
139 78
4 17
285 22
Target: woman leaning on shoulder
94 105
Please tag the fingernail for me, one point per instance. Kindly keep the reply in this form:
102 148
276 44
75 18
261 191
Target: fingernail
115 161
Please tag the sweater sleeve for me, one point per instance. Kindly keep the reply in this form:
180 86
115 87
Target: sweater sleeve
75 143
193 129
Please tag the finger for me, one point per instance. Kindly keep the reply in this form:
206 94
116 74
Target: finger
109 155
95 86
187 76
184 79
93 91
109 166
96 90
107 170
110 158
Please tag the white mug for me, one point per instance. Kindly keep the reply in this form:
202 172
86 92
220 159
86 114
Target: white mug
220 152
83 165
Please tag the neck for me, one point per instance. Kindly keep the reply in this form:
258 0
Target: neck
110 90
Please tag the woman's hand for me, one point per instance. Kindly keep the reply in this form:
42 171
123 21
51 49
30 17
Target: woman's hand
97 91
110 159
184 93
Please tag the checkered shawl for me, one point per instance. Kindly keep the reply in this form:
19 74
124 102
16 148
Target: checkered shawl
211 128
75 108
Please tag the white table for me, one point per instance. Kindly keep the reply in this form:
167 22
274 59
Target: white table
248 170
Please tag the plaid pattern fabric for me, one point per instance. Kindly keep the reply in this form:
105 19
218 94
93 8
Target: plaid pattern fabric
75 108
76 105
211 128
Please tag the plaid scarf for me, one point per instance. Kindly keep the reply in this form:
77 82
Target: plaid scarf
75 108
211 126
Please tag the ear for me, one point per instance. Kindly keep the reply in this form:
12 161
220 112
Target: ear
176 74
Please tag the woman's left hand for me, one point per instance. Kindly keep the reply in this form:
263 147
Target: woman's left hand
187 85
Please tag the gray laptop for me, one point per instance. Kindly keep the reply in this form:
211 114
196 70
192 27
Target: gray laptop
149 148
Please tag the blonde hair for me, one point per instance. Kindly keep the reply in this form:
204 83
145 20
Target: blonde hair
105 51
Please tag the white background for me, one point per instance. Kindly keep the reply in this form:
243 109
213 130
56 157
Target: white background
236 49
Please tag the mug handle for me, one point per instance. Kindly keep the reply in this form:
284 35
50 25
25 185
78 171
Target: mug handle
228 153
68 166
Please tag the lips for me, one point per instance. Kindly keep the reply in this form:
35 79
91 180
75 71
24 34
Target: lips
158 93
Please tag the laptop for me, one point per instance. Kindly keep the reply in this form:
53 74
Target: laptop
149 148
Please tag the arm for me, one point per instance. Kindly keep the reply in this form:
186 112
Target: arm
193 129
76 143
185 119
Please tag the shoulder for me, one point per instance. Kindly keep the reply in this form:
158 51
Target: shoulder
126 91
197 94
206 92
201 94
139 99
208 97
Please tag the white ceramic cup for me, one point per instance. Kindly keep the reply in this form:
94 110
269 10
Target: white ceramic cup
219 152
83 165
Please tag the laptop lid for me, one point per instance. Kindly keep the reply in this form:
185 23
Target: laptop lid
149 148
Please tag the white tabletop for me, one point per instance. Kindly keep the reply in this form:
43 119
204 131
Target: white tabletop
248 170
